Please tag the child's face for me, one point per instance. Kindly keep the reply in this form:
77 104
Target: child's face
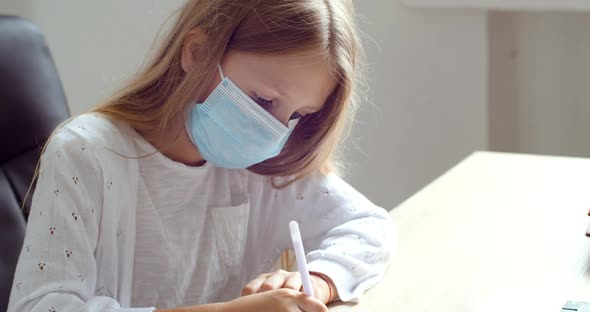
285 85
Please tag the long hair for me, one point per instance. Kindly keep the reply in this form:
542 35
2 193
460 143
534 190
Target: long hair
160 92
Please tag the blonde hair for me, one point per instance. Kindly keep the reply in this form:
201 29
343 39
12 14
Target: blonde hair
161 91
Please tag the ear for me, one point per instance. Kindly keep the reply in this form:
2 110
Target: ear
191 47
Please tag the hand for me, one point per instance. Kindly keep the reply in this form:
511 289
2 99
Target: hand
278 300
291 280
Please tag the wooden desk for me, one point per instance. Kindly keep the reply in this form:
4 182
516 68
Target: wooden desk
499 232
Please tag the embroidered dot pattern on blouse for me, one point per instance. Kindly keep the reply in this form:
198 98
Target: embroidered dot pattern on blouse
109 184
42 266
57 230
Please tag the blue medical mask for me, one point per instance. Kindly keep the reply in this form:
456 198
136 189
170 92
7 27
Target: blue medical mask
232 131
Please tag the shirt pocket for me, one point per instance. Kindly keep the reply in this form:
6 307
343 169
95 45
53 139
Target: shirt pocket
231 230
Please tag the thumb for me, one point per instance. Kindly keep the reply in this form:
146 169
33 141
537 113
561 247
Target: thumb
310 304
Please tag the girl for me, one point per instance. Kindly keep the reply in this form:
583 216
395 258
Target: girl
176 194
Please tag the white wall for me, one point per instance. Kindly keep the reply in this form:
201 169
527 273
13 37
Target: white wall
554 82
96 44
22 8
539 5
428 80
539 82
427 76
503 110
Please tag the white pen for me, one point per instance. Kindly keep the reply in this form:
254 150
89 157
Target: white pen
300 256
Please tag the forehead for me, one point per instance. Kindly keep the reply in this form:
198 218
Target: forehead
303 77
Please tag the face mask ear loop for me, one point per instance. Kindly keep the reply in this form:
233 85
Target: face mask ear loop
220 71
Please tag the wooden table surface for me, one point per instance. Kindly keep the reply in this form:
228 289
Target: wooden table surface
498 232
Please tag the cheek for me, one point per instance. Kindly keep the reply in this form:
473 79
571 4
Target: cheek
212 85
283 112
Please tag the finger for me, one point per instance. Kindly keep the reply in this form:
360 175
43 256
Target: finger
310 304
275 281
254 286
321 289
294 282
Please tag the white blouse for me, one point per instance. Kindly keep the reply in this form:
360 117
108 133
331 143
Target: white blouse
109 231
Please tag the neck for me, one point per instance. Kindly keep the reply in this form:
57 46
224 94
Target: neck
175 144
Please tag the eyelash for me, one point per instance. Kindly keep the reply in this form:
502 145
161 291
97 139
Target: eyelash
267 103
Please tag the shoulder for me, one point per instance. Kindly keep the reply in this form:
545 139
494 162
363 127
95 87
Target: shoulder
91 140
91 130
93 133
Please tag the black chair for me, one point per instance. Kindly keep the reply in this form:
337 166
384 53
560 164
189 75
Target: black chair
32 104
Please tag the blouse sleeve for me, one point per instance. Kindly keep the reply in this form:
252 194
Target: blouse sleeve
56 270
346 237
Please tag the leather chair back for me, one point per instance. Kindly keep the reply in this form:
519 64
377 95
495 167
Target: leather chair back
32 104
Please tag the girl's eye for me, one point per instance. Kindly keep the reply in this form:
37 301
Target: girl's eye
262 101
295 115
267 104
